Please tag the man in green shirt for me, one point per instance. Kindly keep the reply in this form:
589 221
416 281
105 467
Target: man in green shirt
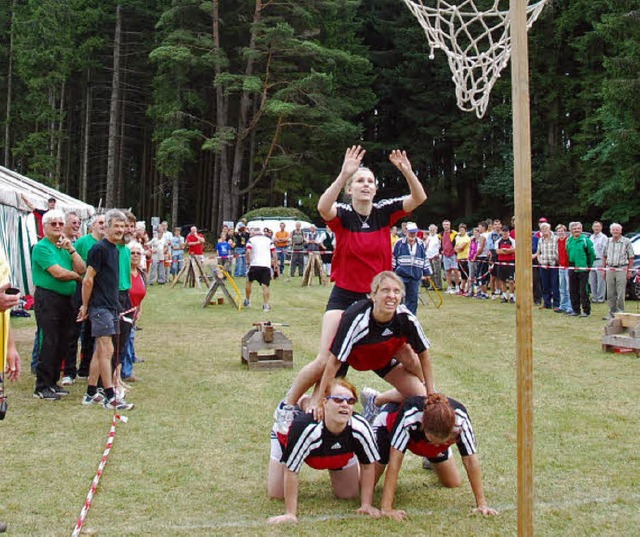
581 256
83 245
56 267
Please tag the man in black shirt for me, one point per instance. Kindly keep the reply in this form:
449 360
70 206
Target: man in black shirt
100 303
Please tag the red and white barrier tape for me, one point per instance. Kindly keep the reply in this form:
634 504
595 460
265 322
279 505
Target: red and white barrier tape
596 269
96 479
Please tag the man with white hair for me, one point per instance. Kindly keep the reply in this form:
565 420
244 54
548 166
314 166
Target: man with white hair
56 267
617 259
597 283
547 255
411 264
581 257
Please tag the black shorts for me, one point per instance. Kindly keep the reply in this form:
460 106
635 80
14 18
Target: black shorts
482 274
506 273
463 265
261 275
341 299
382 372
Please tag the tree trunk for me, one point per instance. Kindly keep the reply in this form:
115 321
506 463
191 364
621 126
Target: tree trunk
7 125
232 195
222 184
113 113
120 161
59 135
86 131
175 200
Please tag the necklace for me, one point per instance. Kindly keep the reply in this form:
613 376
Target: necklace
363 223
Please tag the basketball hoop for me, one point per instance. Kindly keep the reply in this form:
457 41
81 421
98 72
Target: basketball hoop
477 43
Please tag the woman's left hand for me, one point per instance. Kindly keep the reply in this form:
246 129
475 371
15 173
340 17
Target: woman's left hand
400 160
369 510
282 518
484 510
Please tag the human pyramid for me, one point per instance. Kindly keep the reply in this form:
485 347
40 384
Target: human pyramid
367 327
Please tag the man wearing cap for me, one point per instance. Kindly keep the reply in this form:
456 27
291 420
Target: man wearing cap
39 213
410 262
240 238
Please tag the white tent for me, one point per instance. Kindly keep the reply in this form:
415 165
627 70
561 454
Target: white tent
17 224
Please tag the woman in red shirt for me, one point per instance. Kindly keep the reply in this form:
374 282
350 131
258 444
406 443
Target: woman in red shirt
137 293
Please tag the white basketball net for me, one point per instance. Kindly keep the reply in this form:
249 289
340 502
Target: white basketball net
477 44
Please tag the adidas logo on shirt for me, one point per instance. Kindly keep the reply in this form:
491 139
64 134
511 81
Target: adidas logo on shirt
387 332
336 446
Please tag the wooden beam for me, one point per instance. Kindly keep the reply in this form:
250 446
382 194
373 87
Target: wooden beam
524 295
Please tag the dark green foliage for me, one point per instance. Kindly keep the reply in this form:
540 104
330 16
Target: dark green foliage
298 82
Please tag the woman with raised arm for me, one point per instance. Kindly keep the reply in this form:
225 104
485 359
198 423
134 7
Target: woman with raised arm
427 427
362 229
342 442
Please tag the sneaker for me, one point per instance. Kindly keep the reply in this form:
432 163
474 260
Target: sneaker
97 399
60 391
573 314
584 315
266 307
117 404
369 408
82 377
504 300
426 464
512 300
67 381
246 303
47 394
283 417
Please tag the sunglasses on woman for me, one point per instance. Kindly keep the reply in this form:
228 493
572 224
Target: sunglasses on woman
343 399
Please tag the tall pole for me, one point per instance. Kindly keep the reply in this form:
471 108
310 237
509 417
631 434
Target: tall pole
522 192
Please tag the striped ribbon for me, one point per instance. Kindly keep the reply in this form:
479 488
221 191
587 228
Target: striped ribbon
96 479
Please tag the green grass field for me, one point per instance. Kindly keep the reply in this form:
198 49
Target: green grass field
192 459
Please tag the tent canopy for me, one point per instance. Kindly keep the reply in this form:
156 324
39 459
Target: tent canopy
12 185
17 225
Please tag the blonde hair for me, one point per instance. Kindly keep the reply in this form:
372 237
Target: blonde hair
385 275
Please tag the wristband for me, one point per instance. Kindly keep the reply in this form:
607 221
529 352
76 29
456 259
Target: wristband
73 252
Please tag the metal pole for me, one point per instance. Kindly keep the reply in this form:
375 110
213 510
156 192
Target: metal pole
524 300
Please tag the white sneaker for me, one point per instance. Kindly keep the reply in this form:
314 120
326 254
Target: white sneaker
67 381
283 416
266 307
369 409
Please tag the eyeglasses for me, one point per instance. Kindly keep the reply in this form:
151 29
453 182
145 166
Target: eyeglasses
343 399
136 253
56 224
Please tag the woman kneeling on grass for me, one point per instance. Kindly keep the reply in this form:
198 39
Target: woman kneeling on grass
427 427
337 443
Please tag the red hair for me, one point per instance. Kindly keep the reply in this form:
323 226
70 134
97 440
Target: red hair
341 382
438 417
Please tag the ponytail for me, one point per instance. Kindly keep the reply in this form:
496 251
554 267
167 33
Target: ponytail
438 417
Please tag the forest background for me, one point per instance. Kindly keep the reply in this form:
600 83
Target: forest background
199 111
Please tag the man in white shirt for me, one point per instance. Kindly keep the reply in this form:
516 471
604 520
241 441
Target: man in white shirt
261 259
432 244
597 282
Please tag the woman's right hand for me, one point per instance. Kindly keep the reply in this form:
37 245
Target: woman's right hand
282 518
352 160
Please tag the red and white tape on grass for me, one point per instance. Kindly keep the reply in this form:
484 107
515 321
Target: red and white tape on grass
96 479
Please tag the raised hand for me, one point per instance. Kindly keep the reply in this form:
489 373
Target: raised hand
352 160
400 160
